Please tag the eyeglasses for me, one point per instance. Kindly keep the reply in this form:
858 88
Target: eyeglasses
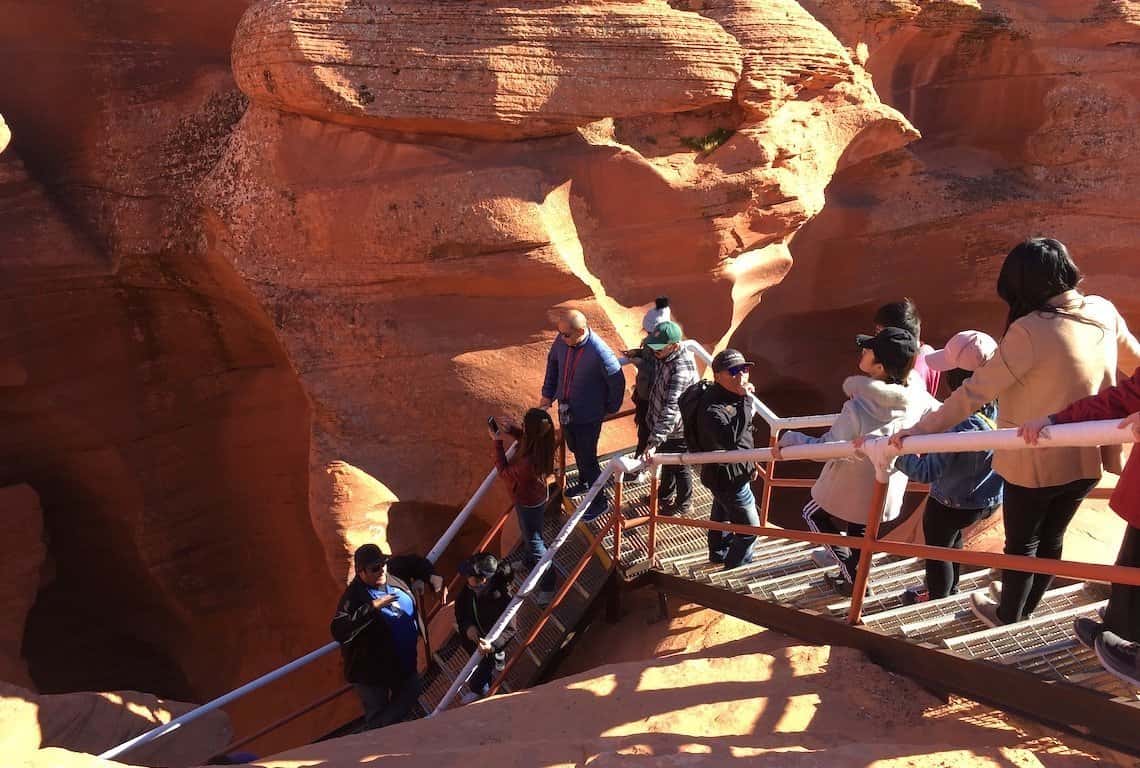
736 370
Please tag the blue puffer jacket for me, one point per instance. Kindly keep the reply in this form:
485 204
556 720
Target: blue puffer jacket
597 385
959 480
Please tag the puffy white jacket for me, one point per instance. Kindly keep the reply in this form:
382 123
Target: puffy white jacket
846 486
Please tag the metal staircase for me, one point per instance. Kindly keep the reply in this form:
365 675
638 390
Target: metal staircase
534 659
791 574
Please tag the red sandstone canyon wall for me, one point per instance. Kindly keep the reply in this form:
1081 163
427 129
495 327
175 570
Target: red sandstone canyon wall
1027 112
266 267
145 397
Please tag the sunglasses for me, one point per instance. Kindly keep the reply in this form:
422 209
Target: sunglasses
376 567
736 370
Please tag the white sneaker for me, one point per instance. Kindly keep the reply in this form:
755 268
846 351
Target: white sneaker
994 590
985 608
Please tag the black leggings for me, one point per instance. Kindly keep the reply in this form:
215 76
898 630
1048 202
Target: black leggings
942 526
1035 523
1123 613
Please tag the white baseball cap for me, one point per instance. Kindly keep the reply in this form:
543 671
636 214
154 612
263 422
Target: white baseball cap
968 350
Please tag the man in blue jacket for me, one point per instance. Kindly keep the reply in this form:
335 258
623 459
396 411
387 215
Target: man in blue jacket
583 375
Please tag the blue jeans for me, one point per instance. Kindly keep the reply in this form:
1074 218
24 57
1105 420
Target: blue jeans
530 523
582 440
736 506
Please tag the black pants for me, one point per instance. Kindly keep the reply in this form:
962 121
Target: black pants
1122 616
1035 523
820 521
388 704
641 419
676 478
942 526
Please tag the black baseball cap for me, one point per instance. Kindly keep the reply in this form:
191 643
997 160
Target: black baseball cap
366 555
481 564
894 347
728 358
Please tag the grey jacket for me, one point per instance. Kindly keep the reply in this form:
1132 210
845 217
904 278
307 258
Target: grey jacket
846 486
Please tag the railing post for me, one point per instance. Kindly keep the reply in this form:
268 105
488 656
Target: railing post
562 466
619 484
654 501
863 572
766 494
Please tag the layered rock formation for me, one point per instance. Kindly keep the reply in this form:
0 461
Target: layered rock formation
755 698
145 398
410 276
32 725
1025 111
22 569
481 69
247 331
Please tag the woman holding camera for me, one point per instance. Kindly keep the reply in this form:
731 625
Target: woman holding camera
527 474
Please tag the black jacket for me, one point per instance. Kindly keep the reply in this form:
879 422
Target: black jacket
365 641
725 424
482 610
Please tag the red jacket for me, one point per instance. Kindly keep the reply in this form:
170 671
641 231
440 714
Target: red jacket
527 488
1114 403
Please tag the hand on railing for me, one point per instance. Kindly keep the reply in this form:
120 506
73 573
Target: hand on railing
897 438
1032 430
1131 422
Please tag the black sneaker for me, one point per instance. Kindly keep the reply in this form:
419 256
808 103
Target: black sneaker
669 508
1087 631
839 584
1119 657
577 489
915 595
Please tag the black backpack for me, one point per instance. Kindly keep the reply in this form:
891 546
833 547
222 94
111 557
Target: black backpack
691 403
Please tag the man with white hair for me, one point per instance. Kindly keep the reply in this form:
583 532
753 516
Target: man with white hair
584 377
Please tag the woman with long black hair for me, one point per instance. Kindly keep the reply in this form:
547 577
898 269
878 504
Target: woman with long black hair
526 475
1059 346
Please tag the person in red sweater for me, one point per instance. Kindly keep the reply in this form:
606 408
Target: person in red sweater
526 476
1116 640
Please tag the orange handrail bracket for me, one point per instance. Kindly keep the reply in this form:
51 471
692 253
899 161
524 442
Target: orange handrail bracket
562 464
770 480
654 501
1072 569
863 571
619 485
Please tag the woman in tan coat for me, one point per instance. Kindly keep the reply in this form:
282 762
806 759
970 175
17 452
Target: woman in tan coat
1059 346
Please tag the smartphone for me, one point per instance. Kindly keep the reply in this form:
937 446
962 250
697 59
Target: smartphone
494 425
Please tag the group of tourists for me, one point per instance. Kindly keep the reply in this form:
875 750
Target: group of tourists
1055 363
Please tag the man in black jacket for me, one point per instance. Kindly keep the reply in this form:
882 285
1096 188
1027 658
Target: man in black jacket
480 603
379 626
724 423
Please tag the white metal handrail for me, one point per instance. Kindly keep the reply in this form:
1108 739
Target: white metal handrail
1079 435
253 685
615 465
